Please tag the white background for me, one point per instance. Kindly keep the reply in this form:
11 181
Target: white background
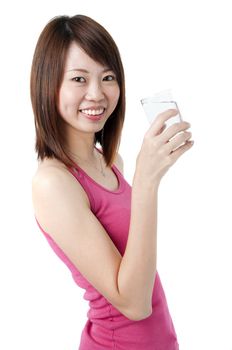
183 45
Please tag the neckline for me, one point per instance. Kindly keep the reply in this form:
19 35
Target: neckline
115 171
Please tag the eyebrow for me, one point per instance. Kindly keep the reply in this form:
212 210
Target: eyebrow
85 71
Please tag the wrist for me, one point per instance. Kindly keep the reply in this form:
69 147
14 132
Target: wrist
144 184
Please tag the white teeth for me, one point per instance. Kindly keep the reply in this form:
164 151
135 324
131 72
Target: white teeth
92 111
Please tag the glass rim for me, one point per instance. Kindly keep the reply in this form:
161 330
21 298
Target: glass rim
154 100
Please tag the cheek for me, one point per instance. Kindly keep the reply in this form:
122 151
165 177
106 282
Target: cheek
67 99
115 93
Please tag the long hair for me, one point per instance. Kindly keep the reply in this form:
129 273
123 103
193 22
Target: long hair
46 77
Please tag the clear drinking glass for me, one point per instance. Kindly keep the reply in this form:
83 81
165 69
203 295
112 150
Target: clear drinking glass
158 103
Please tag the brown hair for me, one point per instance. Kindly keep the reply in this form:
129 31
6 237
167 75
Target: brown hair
46 77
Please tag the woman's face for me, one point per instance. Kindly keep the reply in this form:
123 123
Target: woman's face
89 92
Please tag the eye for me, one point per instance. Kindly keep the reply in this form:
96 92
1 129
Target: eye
78 79
110 78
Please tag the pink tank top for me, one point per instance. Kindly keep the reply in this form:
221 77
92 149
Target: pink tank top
106 327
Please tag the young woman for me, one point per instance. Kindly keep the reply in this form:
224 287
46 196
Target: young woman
102 228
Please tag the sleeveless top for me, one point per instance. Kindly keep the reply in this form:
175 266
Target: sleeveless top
106 327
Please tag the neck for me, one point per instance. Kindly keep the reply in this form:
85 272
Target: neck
88 158
78 144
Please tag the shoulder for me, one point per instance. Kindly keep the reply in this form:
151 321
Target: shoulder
48 171
51 177
119 162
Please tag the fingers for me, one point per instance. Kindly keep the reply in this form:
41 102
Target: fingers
157 125
182 149
172 141
177 141
161 130
173 130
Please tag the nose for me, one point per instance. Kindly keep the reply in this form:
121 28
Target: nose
94 91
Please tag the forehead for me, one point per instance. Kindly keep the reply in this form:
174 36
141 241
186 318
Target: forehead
77 57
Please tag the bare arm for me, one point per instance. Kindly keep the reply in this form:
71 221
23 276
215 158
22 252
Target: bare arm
138 266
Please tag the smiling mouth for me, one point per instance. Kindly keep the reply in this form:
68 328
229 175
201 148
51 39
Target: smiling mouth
93 113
